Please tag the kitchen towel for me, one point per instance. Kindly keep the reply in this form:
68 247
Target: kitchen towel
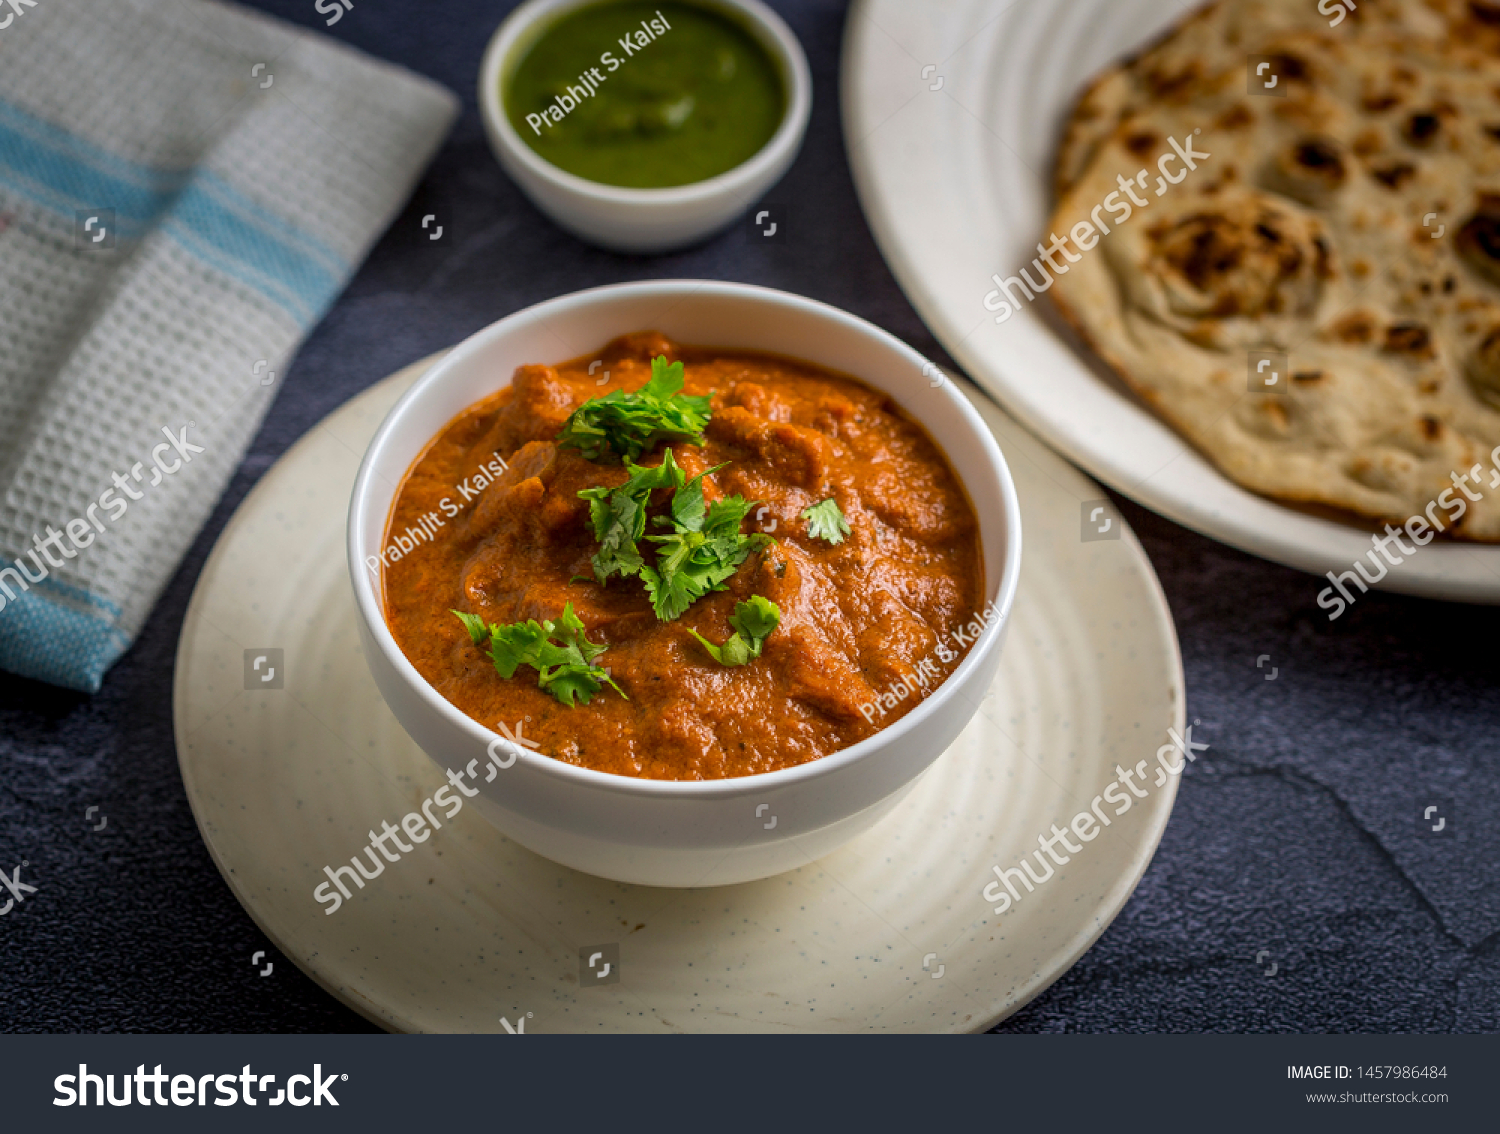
185 187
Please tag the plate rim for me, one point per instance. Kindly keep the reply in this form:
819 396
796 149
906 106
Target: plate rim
190 619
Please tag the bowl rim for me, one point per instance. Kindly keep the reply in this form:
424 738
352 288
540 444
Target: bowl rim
371 609
774 35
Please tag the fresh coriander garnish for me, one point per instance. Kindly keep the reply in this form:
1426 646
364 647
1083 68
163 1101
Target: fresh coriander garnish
558 651
753 622
704 548
825 521
478 629
619 516
621 425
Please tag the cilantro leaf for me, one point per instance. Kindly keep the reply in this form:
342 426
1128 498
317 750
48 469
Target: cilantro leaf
521 643
725 516
621 425
688 508
616 517
689 566
704 549
564 666
688 511
571 630
756 619
475 625
753 622
825 521
580 681
619 516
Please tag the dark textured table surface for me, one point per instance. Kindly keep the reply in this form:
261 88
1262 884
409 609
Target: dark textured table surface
1294 839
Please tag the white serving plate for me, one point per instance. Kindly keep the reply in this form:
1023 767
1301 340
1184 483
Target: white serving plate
892 932
952 112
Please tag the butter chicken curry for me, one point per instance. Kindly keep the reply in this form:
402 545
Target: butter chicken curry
683 563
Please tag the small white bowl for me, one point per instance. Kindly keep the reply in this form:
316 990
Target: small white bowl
644 220
677 833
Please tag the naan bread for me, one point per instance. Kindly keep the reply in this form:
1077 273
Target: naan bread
1309 230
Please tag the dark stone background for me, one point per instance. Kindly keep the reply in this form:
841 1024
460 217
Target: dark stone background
1295 834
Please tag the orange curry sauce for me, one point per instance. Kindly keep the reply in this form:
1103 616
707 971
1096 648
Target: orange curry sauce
491 517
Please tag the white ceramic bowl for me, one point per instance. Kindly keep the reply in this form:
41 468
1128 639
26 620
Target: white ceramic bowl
644 220
669 833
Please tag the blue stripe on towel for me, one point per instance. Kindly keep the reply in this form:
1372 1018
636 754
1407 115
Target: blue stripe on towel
269 223
40 132
214 235
43 638
201 211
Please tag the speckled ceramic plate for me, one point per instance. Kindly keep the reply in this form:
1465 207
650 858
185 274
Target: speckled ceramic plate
952 114
892 932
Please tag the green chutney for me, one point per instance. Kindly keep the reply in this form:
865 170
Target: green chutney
645 96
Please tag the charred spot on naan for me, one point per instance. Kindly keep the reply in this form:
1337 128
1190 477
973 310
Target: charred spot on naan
1143 143
1356 327
1485 12
1310 170
1478 241
1483 368
1247 257
1409 340
1421 129
1393 174
1237 117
